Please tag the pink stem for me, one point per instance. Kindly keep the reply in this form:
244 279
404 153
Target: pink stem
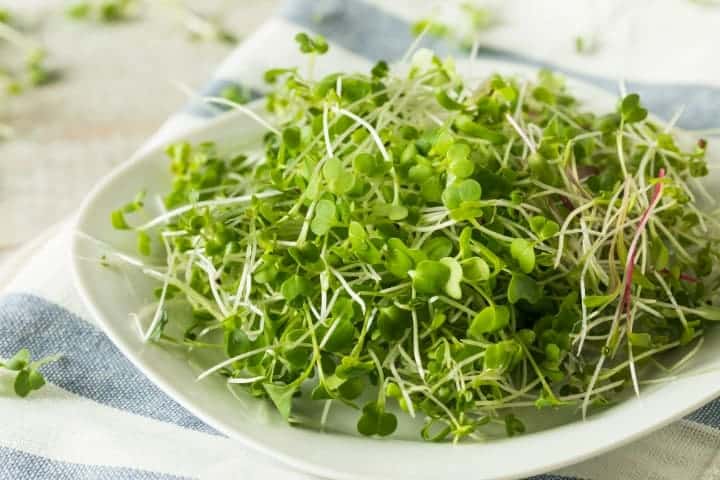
632 251
683 276
567 203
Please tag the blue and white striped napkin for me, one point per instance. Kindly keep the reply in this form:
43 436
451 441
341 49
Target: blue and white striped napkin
100 418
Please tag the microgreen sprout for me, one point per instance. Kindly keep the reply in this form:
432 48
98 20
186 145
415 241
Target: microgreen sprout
105 11
33 71
448 250
586 44
473 21
199 26
27 372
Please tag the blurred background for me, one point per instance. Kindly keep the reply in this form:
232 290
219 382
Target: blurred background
114 86
83 83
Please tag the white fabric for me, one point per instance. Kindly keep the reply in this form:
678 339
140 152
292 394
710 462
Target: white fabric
646 40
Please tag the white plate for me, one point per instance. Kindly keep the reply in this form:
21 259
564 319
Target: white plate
110 296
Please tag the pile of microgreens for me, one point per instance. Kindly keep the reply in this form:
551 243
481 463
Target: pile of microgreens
459 249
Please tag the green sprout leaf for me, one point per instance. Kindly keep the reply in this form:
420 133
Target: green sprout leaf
117 219
452 286
437 248
643 340
281 396
631 110
489 319
595 301
430 277
543 228
28 376
524 253
398 261
513 425
393 322
296 287
460 165
337 177
144 245
317 44
19 361
475 269
460 192
325 217
522 287
376 421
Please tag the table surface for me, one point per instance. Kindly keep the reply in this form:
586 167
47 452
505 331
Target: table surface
117 86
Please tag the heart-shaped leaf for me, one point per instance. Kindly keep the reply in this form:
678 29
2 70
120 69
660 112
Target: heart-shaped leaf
296 287
36 380
631 110
430 277
522 287
398 260
524 253
393 322
488 320
543 228
342 336
452 286
475 269
22 384
460 165
236 342
467 190
325 217
19 361
351 367
376 421
437 247
339 180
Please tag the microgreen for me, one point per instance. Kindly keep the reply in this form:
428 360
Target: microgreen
106 11
308 44
27 372
34 71
451 251
199 26
474 20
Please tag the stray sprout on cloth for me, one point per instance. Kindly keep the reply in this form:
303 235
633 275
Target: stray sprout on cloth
27 372
472 22
34 72
24 66
452 248
199 26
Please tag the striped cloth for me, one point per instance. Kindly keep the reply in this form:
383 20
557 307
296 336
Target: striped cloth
100 418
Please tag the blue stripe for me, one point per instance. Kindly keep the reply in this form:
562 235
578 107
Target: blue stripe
707 415
375 34
18 465
550 476
91 365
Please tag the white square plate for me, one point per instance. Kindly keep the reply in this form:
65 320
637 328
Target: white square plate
110 296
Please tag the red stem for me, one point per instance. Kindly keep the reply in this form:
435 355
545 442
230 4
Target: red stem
683 276
632 251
